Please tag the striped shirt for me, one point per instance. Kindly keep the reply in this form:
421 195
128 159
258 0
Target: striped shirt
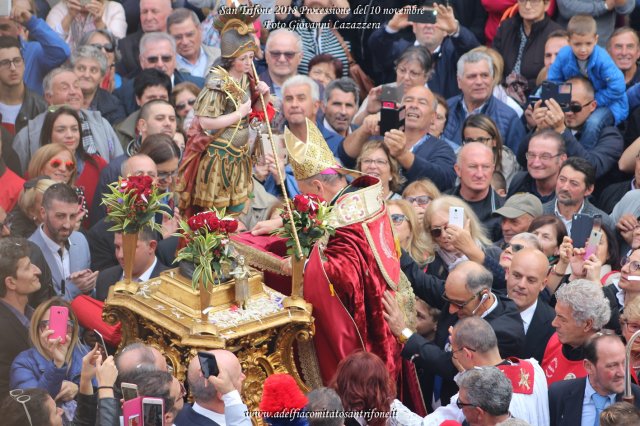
313 45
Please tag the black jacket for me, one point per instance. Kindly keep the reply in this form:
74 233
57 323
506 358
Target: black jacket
129 47
507 42
523 182
611 194
15 339
504 319
565 401
539 332
110 276
127 95
109 106
32 104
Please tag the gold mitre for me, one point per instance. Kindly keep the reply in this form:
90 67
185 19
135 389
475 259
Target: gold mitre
310 158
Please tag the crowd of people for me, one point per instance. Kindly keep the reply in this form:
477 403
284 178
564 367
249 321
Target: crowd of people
510 178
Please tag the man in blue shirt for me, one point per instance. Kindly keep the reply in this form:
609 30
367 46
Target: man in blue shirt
45 52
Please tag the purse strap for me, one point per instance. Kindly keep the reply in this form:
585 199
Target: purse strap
347 52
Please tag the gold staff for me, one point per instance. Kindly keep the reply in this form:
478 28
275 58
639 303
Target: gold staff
299 258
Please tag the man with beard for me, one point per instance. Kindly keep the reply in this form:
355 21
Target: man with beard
575 183
580 401
66 250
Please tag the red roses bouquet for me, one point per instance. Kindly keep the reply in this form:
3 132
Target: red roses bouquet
311 219
208 245
133 203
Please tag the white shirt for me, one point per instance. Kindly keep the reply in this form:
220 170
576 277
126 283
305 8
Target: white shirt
199 69
146 275
567 222
527 316
534 408
9 112
492 307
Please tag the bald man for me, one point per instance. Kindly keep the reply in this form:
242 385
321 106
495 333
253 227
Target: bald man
419 154
475 166
217 399
526 279
138 355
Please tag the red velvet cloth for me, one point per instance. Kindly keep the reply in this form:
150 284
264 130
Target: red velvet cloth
352 271
89 313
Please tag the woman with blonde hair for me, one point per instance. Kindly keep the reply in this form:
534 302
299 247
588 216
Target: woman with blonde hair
481 128
375 160
55 161
419 194
630 323
450 243
26 215
408 231
51 364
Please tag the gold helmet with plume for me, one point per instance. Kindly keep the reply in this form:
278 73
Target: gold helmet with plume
235 25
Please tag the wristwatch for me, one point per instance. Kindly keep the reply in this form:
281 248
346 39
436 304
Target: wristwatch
405 335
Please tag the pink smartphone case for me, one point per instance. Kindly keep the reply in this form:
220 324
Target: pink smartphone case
58 317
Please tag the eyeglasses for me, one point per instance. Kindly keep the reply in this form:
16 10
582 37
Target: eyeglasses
482 140
436 231
421 200
275 54
634 266
632 327
183 105
44 324
545 156
461 404
107 47
377 162
459 305
576 107
514 247
16 62
56 163
22 398
398 218
455 351
164 58
167 175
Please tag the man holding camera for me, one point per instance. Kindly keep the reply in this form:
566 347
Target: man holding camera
435 28
549 114
420 154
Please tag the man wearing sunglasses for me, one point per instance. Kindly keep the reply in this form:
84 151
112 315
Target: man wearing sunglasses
474 345
157 50
602 151
283 55
466 293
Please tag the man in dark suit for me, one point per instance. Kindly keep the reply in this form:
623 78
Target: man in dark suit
526 279
18 279
209 407
157 50
145 265
603 386
467 292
